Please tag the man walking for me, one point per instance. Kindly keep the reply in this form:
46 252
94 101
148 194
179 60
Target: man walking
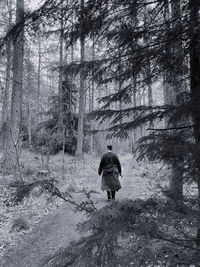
111 168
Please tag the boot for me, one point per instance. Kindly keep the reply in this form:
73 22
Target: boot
113 194
109 195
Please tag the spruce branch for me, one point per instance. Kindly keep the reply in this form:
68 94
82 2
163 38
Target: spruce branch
23 189
172 128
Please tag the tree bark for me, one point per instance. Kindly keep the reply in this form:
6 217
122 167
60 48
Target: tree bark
38 79
6 102
92 102
81 89
5 111
12 155
28 106
60 91
133 142
195 88
173 87
148 65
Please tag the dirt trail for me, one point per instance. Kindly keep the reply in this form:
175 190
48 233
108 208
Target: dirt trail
59 229
53 232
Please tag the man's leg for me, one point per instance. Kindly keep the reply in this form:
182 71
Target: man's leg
109 195
113 194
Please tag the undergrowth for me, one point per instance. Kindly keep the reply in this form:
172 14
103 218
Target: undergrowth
137 232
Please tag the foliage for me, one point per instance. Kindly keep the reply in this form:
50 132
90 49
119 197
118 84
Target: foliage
139 42
135 233
24 189
136 37
171 147
61 124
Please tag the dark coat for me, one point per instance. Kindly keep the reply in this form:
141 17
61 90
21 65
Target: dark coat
111 168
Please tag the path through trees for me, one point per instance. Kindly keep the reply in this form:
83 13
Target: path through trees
57 230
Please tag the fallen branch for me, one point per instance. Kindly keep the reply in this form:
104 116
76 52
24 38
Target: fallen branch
24 189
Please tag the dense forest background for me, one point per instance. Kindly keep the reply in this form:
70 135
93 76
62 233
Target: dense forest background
76 75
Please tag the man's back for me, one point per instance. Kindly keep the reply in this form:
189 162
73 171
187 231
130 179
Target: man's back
108 160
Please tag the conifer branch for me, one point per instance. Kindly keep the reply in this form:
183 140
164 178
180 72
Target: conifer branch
172 128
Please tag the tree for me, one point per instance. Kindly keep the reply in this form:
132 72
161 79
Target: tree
165 53
29 69
39 75
145 233
81 89
138 51
91 98
12 145
60 82
195 88
5 109
174 86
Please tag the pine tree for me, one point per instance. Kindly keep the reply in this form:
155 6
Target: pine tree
81 89
136 54
195 85
174 86
11 156
6 102
39 75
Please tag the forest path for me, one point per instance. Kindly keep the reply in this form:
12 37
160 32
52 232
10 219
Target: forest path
57 230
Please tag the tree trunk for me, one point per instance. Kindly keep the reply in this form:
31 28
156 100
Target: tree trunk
6 102
60 92
92 101
28 106
195 88
12 156
5 110
173 87
61 60
81 89
134 104
140 97
29 125
38 79
148 65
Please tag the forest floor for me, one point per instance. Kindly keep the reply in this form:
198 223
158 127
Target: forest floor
52 225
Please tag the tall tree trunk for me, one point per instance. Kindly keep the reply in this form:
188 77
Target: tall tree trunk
29 122
134 23
6 102
92 101
81 89
38 79
60 91
28 106
140 98
61 59
195 88
12 157
148 65
173 88
134 104
5 111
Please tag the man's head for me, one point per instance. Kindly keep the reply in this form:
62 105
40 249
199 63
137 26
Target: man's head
109 147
